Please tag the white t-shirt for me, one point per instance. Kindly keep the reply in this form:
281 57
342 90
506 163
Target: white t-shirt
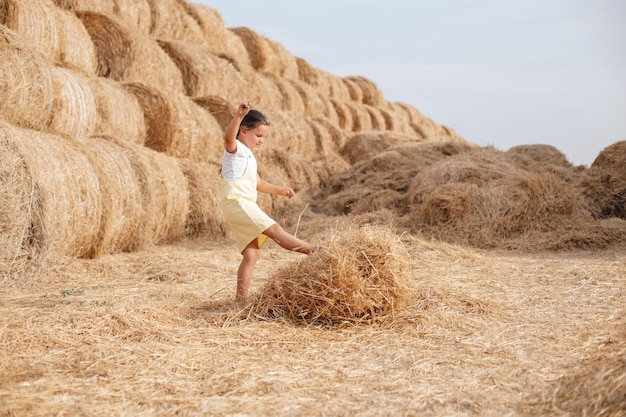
234 164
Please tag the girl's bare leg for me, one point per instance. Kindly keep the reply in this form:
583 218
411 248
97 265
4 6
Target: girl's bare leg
246 268
287 240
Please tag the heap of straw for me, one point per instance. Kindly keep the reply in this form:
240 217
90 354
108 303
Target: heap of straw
360 277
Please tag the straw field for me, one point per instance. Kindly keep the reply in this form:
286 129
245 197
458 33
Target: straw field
452 279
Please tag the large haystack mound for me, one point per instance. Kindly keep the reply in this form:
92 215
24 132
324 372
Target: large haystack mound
360 277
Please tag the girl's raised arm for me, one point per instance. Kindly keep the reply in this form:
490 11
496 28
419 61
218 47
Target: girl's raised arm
232 130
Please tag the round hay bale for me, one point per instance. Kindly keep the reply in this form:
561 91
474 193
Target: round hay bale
344 115
291 99
75 113
205 214
34 20
219 107
126 54
361 119
291 133
177 126
604 185
136 12
67 192
21 234
170 20
267 55
121 227
361 277
26 83
203 73
164 195
119 113
76 49
354 90
371 94
70 5
261 91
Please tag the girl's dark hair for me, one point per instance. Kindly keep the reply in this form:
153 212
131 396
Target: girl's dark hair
253 119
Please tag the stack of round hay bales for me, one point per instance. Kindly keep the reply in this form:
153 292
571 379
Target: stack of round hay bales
86 197
360 277
128 55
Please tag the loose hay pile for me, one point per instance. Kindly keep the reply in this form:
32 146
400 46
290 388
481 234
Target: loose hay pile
360 277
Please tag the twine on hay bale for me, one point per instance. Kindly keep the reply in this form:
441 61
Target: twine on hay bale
75 112
360 277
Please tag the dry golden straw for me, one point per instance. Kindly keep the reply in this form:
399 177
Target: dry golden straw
359 277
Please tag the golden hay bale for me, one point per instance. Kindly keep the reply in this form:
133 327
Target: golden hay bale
291 99
314 104
164 195
119 113
361 119
344 114
137 12
128 55
21 217
604 185
26 83
34 20
204 73
76 49
291 133
75 113
354 90
361 277
67 189
261 91
219 107
177 126
205 215
371 94
121 228
170 20
539 158
326 84
267 55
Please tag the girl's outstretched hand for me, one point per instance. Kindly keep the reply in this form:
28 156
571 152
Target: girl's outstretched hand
287 192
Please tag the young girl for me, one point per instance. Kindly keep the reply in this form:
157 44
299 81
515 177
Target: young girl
238 191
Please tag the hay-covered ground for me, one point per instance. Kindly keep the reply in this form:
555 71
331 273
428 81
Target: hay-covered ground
156 333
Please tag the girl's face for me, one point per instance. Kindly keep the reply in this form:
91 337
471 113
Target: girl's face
253 138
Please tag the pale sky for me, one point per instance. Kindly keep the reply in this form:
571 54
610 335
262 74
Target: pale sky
499 72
